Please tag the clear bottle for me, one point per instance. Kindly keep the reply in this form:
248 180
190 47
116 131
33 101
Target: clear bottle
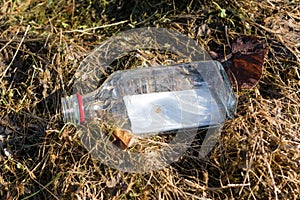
162 109
147 101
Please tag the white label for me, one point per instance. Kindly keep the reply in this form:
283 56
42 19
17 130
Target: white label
163 111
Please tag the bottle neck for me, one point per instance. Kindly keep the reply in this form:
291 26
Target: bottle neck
72 109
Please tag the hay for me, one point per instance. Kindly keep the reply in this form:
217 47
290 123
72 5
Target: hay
41 46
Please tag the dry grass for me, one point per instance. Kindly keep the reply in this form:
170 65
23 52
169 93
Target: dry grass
41 45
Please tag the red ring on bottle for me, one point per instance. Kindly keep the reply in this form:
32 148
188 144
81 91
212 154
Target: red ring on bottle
80 105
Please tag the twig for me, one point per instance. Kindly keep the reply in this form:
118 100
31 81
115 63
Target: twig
279 37
249 165
18 40
28 52
43 188
10 41
228 186
276 189
273 181
268 29
11 62
97 27
268 1
227 38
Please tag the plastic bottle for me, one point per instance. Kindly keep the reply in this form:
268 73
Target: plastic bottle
146 101
157 112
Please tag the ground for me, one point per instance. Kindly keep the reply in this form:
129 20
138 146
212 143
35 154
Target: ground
43 42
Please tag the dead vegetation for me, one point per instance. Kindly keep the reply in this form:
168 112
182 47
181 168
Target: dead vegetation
41 46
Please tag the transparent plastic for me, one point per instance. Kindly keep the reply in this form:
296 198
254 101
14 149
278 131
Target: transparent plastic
178 100
150 100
